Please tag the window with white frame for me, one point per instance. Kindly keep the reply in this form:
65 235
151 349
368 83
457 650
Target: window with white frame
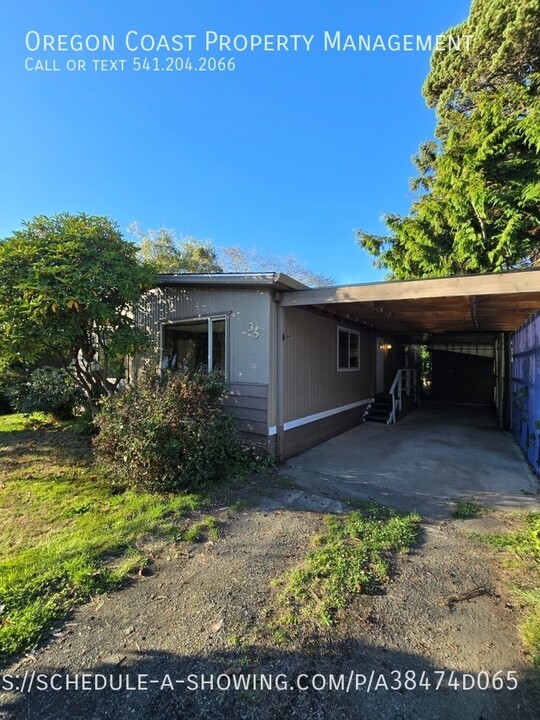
195 345
348 349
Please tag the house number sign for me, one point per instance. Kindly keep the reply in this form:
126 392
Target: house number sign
253 330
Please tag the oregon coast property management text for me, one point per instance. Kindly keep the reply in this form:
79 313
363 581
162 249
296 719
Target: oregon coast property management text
211 40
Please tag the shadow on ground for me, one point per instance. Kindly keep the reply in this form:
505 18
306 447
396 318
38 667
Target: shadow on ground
164 686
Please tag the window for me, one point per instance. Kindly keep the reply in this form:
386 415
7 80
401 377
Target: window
195 345
348 349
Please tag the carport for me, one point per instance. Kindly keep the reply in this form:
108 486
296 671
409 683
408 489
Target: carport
442 452
425 463
480 311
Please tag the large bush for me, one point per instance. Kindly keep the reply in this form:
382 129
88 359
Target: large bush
168 434
5 405
11 377
49 390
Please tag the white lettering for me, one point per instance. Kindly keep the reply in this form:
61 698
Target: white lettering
64 43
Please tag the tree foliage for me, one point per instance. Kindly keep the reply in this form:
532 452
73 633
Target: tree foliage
478 202
236 259
167 253
49 390
68 286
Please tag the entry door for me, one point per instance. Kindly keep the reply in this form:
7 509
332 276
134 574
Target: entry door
379 377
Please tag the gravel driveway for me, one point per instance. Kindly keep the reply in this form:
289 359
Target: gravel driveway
195 619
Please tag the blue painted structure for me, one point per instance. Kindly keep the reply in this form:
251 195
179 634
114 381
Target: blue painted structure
526 390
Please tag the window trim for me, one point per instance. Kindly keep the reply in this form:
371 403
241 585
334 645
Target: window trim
340 328
209 319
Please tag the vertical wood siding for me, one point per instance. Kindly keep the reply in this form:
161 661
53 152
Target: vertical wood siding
312 381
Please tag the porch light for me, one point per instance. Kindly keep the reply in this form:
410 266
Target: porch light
385 346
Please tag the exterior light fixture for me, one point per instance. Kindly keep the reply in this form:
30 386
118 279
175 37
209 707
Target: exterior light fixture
385 346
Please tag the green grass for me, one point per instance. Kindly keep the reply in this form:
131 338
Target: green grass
21 421
66 533
352 556
206 528
524 548
241 505
465 510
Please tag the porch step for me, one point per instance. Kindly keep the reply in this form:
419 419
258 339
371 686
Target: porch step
379 409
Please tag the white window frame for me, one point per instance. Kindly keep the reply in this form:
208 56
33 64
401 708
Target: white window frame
187 321
349 333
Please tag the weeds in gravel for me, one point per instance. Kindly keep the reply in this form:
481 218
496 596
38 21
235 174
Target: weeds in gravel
241 505
352 556
201 530
524 545
465 510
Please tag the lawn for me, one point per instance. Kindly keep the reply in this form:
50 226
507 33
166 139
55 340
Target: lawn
66 532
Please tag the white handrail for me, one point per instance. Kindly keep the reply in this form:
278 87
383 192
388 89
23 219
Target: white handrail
407 377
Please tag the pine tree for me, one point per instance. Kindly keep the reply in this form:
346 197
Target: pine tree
478 202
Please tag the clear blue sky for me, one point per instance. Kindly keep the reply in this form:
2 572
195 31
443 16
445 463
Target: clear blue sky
288 153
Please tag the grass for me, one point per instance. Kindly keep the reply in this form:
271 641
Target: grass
523 547
21 421
352 556
66 533
466 510
241 505
207 528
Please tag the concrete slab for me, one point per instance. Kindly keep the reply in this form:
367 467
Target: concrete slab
301 501
426 462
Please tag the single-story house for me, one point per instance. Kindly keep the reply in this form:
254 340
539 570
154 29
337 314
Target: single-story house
303 364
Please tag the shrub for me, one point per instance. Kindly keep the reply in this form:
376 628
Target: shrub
48 390
169 433
5 405
11 377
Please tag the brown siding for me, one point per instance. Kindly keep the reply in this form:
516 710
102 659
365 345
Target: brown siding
247 403
312 382
311 434
267 444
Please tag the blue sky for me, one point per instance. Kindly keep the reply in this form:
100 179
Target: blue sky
288 153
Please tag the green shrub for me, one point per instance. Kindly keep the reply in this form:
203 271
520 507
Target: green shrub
169 433
5 405
48 390
11 377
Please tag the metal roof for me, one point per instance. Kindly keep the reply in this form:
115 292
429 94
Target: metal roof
276 280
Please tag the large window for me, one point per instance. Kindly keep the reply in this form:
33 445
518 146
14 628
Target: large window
195 345
348 349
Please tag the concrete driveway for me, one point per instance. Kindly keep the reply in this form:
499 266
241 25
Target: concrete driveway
426 462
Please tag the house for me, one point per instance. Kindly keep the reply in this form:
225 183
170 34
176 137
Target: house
304 364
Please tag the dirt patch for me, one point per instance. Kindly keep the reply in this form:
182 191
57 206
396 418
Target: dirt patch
196 616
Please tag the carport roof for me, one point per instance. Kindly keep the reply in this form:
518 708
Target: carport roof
496 302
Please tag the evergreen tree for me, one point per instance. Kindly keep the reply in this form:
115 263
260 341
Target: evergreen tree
478 202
